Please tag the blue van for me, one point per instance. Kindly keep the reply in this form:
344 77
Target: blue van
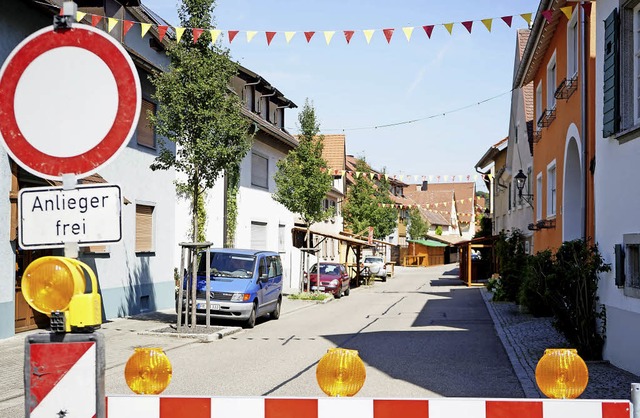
245 284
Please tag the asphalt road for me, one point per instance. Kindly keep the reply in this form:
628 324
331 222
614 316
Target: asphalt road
420 334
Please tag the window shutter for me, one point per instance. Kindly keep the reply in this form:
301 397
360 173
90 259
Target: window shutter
146 134
144 228
619 265
611 97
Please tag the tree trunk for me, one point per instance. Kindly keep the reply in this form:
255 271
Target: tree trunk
306 257
194 260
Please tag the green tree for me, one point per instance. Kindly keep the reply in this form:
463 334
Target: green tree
302 178
196 110
418 227
368 204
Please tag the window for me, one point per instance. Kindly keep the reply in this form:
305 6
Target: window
631 266
551 189
145 133
572 45
551 83
621 87
281 234
539 197
144 228
258 235
259 171
249 97
538 115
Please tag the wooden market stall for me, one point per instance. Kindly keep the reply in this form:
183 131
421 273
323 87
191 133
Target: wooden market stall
424 252
472 271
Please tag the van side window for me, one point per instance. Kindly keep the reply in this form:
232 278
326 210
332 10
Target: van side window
263 267
278 266
272 266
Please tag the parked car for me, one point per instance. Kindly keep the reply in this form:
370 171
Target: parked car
334 279
375 267
245 285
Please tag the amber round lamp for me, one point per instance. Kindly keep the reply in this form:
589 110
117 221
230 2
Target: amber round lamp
561 373
341 372
148 371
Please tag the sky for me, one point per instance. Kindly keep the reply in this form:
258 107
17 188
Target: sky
455 87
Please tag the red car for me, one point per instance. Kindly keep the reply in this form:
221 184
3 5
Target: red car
333 279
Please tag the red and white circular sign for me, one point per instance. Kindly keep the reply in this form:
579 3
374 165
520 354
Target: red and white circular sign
69 101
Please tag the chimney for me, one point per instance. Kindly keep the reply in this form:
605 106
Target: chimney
425 186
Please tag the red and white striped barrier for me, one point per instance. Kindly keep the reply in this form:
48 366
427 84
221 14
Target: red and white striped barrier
175 407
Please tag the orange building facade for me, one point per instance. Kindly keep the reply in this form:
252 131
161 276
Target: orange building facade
560 61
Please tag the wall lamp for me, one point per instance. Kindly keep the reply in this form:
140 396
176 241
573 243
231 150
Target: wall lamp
521 178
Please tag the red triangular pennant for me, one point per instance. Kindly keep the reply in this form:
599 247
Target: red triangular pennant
507 20
232 34
428 29
547 14
269 36
95 19
348 34
468 24
196 35
126 25
388 33
162 30
586 6
309 35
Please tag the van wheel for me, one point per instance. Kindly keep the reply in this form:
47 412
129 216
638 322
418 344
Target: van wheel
276 312
251 321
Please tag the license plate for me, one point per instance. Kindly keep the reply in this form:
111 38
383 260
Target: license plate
212 306
317 288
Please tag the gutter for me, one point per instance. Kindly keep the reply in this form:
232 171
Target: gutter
534 40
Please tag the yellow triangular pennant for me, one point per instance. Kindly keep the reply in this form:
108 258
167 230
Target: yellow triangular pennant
371 175
400 177
288 36
407 32
328 34
567 11
179 32
214 34
112 22
386 176
251 34
80 16
527 18
357 174
449 27
144 28
487 23
368 33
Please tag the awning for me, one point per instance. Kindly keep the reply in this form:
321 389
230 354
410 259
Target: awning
428 242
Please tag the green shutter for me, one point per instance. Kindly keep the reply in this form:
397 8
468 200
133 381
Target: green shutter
611 97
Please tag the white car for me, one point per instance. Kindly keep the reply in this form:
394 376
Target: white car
376 267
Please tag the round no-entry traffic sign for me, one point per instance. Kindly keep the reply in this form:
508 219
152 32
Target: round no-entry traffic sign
69 101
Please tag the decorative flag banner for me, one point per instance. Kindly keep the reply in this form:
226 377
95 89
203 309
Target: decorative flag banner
348 34
288 36
407 32
328 35
250 35
270 36
196 35
368 33
487 23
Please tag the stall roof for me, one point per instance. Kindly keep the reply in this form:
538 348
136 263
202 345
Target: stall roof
428 242
343 238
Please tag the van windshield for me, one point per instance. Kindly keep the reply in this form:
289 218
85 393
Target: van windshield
228 265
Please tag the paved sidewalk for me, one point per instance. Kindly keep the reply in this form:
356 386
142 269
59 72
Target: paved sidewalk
525 338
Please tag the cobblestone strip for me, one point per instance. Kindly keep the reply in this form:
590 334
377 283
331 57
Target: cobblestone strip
520 361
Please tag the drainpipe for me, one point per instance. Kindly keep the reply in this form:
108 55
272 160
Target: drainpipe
584 117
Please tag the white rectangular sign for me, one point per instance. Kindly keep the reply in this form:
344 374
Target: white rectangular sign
50 216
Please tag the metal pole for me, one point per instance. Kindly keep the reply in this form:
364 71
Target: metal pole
208 287
635 399
181 277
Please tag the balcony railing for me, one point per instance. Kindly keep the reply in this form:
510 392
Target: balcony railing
566 88
548 116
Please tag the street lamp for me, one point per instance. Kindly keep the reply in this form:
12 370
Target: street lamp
521 178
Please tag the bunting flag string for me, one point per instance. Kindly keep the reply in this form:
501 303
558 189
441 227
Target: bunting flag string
409 177
270 35
441 212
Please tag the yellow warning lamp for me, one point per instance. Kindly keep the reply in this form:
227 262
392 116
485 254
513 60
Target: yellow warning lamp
57 287
561 373
341 372
148 371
